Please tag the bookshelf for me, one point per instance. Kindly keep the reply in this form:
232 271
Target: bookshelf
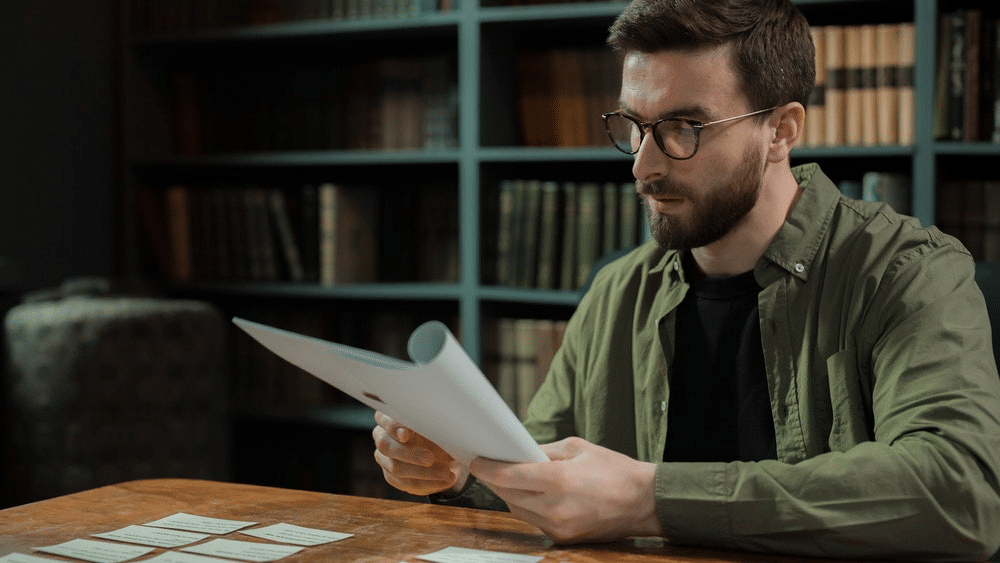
302 50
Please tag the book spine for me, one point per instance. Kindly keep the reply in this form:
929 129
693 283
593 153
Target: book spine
853 89
610 214
887 90
836 81
970 107
548 245
956 86
814 134
286 236
327 234
905 83
868 85
588 230
567 270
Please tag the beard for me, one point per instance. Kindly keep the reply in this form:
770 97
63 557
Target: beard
714 212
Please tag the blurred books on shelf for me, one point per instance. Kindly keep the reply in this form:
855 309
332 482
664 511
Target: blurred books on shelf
390 103
561 94
864 93
891 188
549 234
970 211
517 357
327 233
967 84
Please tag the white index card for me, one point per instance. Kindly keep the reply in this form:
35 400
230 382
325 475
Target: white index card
96 551
298 535
466 555
22 558
204 524
178 557
243 550
156 537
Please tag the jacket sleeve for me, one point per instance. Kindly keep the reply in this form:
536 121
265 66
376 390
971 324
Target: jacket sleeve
925 487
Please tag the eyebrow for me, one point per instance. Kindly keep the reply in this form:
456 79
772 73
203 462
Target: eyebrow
696 112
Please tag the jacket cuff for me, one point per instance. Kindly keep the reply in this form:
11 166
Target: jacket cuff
473 495
691 503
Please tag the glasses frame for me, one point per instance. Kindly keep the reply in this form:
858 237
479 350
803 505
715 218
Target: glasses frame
697 125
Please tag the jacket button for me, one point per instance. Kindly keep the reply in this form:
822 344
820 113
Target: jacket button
799 267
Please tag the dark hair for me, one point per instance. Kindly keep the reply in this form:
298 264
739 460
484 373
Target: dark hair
773 53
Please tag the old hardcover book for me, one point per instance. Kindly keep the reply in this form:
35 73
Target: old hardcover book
836 83
887 91
814 134
905 84
854 88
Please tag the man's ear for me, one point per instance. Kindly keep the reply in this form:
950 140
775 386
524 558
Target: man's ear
788 120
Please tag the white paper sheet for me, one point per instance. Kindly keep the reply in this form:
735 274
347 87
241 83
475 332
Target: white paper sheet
203 524
465 555
244 550
441 395
96 551
156 537
298 535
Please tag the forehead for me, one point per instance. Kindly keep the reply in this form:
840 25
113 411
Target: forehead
700 84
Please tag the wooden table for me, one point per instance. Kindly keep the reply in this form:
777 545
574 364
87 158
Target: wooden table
384 530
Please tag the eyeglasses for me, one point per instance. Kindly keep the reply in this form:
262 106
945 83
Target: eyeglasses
677 137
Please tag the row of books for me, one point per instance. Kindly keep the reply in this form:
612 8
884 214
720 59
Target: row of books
325 233
864 94
893 188
550 234
518 353
561 94
389 103
967 97
172 16
970 211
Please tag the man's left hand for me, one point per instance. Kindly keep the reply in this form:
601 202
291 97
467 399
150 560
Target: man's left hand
585 493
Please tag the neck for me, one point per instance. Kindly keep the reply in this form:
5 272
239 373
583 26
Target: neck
740 249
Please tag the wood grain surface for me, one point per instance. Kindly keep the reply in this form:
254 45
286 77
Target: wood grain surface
384 530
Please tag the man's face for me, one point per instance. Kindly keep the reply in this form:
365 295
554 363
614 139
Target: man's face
693 203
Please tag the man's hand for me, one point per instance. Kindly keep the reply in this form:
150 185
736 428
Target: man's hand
414 464
585 493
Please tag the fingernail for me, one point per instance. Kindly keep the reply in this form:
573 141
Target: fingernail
401 434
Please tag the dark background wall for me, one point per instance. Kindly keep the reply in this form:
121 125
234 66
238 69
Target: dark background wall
57 150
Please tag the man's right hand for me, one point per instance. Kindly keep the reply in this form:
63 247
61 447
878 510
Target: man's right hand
414 464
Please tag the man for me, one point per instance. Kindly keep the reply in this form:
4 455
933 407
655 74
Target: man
784 369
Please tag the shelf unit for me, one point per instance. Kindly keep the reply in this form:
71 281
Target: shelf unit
483 39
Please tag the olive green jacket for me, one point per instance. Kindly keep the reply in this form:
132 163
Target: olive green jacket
884 391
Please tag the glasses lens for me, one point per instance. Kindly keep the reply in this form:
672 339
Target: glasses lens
678 139
624 133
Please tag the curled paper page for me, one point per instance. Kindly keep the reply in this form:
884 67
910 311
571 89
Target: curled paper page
441 395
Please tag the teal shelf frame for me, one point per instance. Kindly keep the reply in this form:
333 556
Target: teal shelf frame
466 25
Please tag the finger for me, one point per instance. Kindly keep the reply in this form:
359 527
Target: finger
389 446
404 471
397 430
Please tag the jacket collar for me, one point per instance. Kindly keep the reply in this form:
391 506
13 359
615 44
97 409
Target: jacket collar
798 240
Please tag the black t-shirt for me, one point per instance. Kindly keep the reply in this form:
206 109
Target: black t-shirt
719 407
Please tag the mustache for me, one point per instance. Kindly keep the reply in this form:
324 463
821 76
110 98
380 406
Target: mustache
662 188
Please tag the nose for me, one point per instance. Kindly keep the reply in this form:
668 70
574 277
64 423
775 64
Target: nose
649 163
